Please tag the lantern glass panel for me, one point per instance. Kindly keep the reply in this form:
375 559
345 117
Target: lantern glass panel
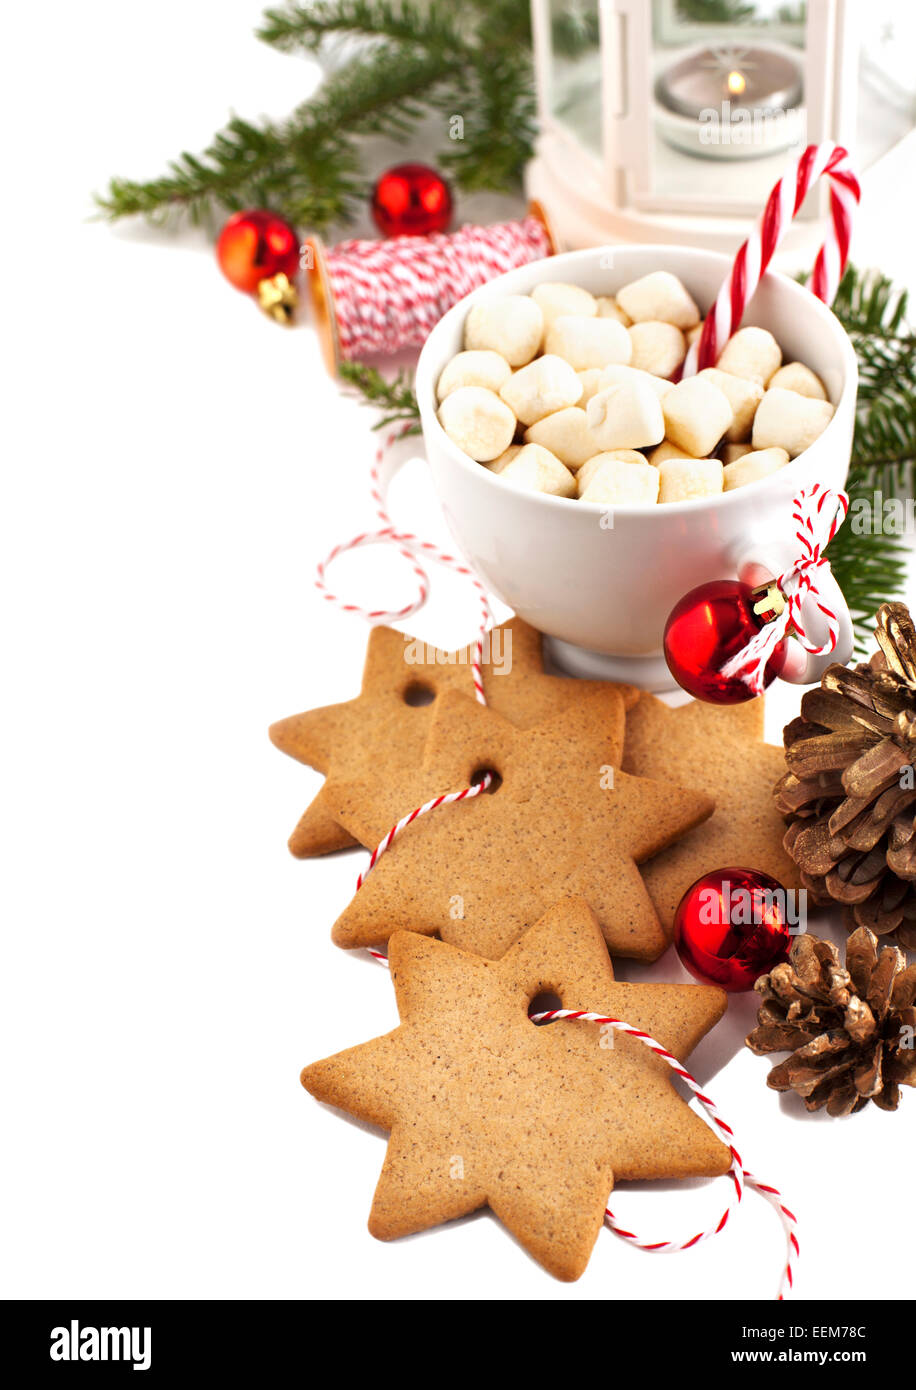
728 101
574 73
886 107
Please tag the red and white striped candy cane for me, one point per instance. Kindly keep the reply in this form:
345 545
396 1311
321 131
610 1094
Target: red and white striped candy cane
824 160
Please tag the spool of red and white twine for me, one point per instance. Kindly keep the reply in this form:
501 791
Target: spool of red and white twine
818 513
376 298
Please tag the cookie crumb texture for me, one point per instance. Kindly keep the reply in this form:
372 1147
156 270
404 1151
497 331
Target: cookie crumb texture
484 1108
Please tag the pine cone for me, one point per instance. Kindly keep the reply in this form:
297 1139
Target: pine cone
849 795
852 1032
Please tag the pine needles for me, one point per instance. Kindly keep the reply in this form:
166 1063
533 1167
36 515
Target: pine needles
394 400
869 560
873 312
466 59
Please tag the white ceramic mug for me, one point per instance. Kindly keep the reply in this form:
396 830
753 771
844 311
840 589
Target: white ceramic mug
604 595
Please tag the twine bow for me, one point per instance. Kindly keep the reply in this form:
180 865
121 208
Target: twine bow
818 513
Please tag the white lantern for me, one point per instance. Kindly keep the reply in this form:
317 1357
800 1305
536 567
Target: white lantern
670 120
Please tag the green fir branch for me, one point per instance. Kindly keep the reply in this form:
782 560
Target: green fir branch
869 564
466 58
873 312
395 400
869 560
305 27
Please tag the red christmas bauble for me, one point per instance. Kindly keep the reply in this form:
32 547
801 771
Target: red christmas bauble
732 926
255 245
709 625
411 200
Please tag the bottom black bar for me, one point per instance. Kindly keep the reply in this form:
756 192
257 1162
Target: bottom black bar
55 1342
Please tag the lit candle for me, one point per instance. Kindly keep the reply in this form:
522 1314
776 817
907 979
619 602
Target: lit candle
768 78
738 96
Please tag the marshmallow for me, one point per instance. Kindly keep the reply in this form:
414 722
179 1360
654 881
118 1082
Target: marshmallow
615 375
588 342
693 333
593 465
743 396
507 455
478 422
608 308
731 453
789 421
657 347
513 326
795 376
618 482
537 470
666 450
628 416
757 464
566 434
555 300
660 296
592 382
545 385
681 480
697 414
485 369
752 353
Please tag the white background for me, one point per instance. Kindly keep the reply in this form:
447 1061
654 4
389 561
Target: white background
174 467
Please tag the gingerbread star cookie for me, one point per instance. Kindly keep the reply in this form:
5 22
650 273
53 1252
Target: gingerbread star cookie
484 1108
561 821
718 749
380 734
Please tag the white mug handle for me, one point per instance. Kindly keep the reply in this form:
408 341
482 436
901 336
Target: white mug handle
763 562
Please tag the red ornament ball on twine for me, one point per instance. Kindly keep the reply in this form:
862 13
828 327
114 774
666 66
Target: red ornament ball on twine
710 624
411 200
732 926
255 245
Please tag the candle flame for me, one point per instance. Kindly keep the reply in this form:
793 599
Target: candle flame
736 83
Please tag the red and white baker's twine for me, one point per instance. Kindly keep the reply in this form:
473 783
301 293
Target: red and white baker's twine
390 294
738 1173
413 548
818 513
446 799
785 200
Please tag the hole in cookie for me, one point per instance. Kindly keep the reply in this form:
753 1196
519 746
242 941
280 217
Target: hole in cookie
542 1003
483 771
417 694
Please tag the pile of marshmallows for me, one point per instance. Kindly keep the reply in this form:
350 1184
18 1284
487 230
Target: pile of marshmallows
558 391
